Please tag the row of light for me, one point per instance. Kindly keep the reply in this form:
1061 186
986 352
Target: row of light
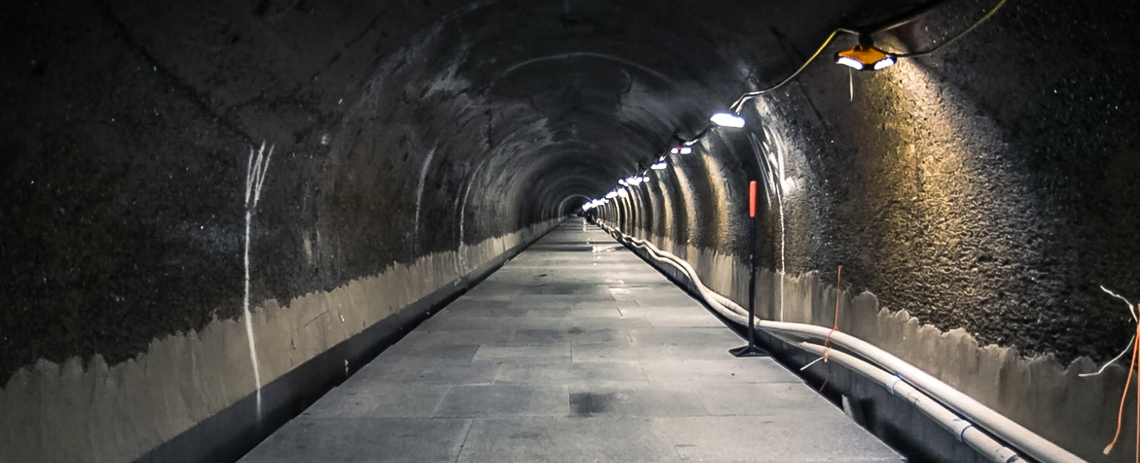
720 119
634 181
862 57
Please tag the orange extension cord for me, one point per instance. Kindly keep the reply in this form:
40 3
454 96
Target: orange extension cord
1123 397
834 328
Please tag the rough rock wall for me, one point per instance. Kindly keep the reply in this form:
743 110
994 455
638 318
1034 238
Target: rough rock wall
128 134
127 131
977 199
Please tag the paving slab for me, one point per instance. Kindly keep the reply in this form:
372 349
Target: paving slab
786 438
357 440
549 352
641 401
566 439
380 400
574 351
502 400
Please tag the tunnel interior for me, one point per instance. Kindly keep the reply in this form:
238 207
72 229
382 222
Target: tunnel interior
988 189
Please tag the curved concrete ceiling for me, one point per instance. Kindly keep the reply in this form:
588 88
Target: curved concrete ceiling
612 85
464 121
988 189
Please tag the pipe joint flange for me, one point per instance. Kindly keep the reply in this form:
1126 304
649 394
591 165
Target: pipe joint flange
1007 455
959 427
895 381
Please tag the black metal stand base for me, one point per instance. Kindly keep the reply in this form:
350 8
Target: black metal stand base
748 351
751 350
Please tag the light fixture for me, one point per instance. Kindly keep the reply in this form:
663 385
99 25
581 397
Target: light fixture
611 194
727 120
623 182
865 57
681 150
659 165
645 178
880 63
593 204
623 193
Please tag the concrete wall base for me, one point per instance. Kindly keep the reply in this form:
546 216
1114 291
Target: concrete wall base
192 397
1077 413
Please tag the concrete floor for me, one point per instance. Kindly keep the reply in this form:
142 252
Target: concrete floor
575 351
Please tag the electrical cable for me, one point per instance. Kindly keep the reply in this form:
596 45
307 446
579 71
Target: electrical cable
887 25
1016 435
900 20
750 95
956 37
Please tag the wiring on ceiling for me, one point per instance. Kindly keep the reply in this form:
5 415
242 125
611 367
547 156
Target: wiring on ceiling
877 28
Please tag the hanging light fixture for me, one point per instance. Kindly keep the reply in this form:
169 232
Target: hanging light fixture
681 150
865 56
727 120
659 165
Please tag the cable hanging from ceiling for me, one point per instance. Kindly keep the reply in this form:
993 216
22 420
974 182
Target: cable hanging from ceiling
865 53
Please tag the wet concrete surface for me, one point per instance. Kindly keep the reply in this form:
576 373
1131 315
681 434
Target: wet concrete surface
575 350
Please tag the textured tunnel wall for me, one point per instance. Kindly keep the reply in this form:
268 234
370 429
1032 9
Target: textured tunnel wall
989 188
977 199
127 138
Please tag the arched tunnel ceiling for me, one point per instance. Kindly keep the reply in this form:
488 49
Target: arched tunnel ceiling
612 85
402 129
989 188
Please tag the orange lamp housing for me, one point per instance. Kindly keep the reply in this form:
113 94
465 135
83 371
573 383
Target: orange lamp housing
865 57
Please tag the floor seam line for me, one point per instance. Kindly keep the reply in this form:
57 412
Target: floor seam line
438 405
470 424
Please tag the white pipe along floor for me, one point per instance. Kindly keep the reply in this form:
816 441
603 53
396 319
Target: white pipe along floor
574 351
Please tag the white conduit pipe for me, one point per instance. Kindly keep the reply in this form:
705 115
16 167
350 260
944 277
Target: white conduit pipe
997 424
962 429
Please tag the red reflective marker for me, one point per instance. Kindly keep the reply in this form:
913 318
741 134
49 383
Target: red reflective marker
752 198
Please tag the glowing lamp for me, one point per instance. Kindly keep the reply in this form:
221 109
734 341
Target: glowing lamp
681 150
611 194
865 57
659 165
727 120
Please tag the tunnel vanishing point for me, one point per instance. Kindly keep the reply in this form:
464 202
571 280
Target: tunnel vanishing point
216 207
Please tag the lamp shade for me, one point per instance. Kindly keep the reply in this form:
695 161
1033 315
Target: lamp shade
865 58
